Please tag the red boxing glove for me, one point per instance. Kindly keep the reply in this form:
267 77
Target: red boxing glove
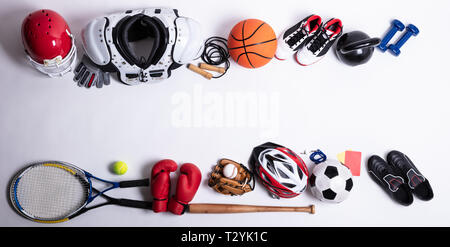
160 184
187 186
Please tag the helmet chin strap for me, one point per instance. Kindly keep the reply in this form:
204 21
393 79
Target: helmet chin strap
56 61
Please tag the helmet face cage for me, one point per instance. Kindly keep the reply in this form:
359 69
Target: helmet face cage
57 66
282 172
48 42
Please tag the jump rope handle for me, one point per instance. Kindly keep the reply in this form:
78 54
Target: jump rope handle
212 68
200 71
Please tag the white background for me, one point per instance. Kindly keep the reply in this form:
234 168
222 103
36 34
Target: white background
390 103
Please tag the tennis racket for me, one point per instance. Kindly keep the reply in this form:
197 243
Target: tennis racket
53 192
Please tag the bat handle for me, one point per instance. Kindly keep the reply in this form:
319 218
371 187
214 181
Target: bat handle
207 208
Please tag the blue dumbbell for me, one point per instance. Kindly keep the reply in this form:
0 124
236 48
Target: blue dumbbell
410 31
396 26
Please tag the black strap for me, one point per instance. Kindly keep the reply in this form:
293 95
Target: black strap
185 206
158 199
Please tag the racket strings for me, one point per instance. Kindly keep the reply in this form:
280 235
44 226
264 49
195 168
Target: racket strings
50 192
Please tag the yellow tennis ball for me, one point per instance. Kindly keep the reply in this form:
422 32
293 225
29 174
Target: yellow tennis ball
120 167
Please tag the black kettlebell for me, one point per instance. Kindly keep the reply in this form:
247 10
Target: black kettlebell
355 48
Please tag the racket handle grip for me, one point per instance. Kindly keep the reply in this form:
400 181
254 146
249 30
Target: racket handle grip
135 183
134 203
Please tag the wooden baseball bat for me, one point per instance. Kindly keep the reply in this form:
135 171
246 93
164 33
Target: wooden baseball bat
209 208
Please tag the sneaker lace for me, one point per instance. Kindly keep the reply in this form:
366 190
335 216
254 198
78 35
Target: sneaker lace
319 42
297 37
404 166
380 169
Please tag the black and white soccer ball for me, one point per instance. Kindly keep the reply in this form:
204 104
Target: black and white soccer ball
331 181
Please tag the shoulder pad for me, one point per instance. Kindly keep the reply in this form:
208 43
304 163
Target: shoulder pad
94 43
190 43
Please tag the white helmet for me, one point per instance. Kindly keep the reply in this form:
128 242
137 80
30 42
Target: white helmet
282 171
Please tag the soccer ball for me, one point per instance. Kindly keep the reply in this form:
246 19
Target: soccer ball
331 181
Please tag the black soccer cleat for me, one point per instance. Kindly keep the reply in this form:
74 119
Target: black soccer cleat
321 43
390 180
297 36
419 185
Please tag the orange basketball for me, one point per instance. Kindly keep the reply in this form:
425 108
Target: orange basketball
252 43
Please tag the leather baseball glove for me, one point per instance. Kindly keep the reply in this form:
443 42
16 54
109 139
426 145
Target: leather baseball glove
238 184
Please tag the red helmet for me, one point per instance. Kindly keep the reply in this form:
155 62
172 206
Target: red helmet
48 42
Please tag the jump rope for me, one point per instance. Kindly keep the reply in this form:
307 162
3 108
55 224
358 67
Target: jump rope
215 53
